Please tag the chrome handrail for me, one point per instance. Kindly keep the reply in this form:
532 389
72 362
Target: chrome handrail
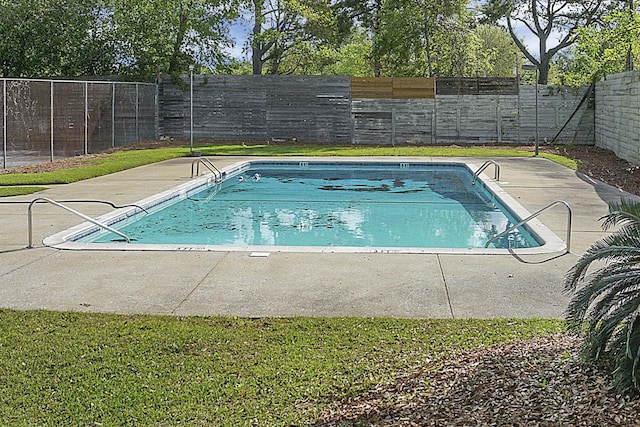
73 211
496 173
209 165
535 214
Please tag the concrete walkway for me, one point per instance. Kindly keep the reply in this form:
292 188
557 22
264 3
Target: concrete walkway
292 284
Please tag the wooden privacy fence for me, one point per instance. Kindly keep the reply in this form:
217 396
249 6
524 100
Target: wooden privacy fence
259 108
478 86
378 111
393 88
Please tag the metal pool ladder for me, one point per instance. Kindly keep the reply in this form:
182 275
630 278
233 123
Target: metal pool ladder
75 212
535 214
209 165
485 165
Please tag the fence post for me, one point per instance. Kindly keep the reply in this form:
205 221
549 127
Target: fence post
113 115
434 120
393 126
499 122
156 111
4 123
86 117
137 114
52 123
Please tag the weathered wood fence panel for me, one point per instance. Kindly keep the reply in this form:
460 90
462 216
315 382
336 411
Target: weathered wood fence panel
336 109
476 118
555 107
392 88
308 108
259 108
391 122
477 86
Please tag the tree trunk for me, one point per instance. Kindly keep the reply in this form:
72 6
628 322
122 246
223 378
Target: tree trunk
182 31
256 45
545 61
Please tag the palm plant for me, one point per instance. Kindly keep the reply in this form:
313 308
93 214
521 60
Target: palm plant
605 305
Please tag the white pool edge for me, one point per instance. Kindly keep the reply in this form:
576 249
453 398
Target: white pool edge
64 239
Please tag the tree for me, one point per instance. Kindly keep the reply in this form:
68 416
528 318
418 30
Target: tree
281 26
497 54
545 21
427 38
605 49
351 58
44 38
167 35
364 15
101 37
605 302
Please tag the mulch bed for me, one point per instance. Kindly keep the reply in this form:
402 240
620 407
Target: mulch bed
538 382
603 165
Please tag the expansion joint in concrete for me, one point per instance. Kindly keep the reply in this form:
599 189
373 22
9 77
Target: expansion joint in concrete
446 287
186 298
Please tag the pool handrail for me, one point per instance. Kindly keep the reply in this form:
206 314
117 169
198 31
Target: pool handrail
73 211
535 214
496 173
209 165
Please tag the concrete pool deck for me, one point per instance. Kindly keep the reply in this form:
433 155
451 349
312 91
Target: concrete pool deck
293 284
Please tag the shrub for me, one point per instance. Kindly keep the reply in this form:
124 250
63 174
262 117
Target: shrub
605 302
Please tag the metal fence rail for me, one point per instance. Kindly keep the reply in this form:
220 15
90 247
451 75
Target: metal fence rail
45 120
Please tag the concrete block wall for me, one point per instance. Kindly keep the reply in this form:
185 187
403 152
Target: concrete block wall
617 122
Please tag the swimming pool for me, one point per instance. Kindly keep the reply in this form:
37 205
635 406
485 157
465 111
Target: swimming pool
354 206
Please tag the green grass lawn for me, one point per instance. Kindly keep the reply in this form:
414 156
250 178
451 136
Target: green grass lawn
19 191
112 370
121 160
356 150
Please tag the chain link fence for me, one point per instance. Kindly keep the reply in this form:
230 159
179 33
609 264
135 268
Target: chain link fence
45 120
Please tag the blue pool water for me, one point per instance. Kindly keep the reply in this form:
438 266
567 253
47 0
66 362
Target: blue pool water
396 205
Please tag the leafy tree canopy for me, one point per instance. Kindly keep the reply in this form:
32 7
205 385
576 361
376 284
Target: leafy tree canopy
546 21
600 50
44 38
443 38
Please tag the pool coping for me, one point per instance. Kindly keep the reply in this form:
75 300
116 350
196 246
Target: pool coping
62 240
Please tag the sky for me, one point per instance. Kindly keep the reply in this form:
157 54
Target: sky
238 33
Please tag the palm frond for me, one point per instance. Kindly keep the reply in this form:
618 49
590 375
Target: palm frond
621 284
624 212
600 252
605 288
601 335
633 348
625 236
